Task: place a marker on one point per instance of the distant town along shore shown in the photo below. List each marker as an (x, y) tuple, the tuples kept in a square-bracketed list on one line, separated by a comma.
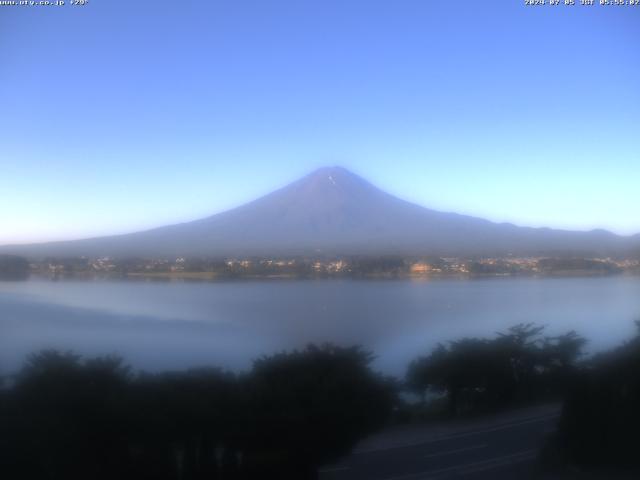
[(314, 267)]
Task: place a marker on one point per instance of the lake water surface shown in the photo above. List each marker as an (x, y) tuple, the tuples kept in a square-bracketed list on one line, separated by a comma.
[(172, 325)]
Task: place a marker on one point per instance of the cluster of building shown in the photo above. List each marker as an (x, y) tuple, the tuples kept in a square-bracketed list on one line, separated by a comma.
[(390, 265)]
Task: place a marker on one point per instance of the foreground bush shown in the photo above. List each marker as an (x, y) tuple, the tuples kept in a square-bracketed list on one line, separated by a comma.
[(519, 366), (66, 418), (601, 416)]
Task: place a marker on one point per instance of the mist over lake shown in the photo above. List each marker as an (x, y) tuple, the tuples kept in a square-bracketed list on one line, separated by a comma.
[(173, 325)]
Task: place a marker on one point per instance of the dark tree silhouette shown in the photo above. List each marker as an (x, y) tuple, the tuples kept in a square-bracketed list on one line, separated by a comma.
[(69, 418), (313, 405), (64, 417), (601, 419), (478, 374)]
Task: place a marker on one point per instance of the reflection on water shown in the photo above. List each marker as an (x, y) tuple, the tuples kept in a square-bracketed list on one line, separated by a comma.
[(158, 325)]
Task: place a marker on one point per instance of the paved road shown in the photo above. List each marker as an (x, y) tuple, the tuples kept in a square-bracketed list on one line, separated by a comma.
[(501, 447)]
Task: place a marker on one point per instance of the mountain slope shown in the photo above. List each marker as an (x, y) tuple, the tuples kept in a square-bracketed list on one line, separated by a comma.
[(334, 211)]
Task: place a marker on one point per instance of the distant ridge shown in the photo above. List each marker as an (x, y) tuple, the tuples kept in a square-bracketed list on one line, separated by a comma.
[(333, 211)]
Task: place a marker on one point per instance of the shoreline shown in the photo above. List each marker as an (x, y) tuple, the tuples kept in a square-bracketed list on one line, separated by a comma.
[(214, 276)]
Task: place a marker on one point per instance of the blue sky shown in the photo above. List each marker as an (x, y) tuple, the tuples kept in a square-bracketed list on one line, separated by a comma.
[(125, 115)]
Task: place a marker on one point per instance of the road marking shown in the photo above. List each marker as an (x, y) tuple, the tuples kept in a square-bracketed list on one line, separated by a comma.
[(333, 469), (500, 462), (459, 450), (497, 428), (489, 464)]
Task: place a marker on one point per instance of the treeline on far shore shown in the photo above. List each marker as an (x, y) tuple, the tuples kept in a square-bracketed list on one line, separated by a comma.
[(65, 417), (13, 267)]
